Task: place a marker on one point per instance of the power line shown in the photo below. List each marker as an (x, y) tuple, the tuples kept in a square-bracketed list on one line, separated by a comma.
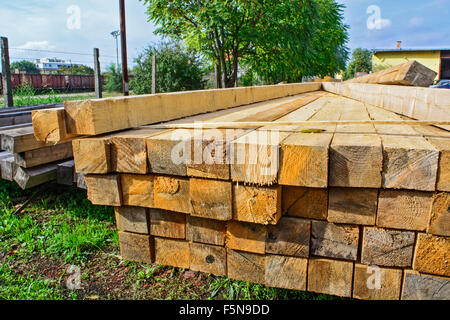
[(59, 52)]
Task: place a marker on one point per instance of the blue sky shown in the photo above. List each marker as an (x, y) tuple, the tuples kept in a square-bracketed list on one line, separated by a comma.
[(54, 25)]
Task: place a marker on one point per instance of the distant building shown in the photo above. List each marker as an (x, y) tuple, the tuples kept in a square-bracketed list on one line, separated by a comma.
[(52, 64), (436, 59)]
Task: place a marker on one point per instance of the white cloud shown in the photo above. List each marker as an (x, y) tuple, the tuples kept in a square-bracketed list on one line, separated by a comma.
[(40, 45)]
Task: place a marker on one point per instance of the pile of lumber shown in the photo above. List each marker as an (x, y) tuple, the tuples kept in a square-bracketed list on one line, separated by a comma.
[(26, 160), (411, 73), (307, 190)]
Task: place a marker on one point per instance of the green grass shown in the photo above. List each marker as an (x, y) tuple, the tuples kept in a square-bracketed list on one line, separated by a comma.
[(62, 228), (25, 95), (61, 225)]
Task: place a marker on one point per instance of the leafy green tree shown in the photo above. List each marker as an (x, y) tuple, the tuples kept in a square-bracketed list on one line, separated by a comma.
[(278, 39), (178, 69), (24, 65), (113, 79), (361, 62), (74, 69)]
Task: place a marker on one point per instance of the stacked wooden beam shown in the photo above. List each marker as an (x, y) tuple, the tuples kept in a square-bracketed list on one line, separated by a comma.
[(354, 210), (27, 161), (411, 73)]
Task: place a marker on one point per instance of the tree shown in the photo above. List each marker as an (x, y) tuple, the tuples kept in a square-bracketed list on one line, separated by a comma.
[(76, 69), (278, 39), (361, 62), (24, 65), (113, 79), (178, 69)]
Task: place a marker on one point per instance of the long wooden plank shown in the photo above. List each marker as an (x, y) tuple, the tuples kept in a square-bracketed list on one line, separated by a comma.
[(258, 159), (93, 117), (126, 151), (28, 178), (44, 155), (411, 73), (173, 152), (21, 140), (410, 161), (414, 102), (356, 155)]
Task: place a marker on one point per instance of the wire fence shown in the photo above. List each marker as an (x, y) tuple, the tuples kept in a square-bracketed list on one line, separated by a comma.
[(87, 59)]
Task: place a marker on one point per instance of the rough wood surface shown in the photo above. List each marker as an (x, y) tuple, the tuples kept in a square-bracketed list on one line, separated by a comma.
[(330, 277), (33, 158), (104, 190), (211, 199), (247, 237), (174, 253), (49, 125), (388, 248), (257, 204), (356, 155), (8, 168), (375, 283), (92, 155), (405, 210), (353, 206), (290, 237), (334, 241), (416, 103), (424, 287), (137, 190), (411, 73), (28, 178), (432, 255), (205, 231), (286, 272), (136, 247), (246, 266), (167, 224), (305, 202), (20, 140), (209, 259), (171, 194), (132, 219), (410, 161), (99, 116), (257, 153), (439, 223)]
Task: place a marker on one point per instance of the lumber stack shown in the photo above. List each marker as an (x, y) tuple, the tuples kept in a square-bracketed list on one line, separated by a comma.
[(27, 161), (411, 73), (353, 210)]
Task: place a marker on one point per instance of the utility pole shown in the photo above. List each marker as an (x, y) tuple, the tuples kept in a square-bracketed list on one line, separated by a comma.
[(97, 73), (154, 70), (116, 35), (6, 74), (123, 37)]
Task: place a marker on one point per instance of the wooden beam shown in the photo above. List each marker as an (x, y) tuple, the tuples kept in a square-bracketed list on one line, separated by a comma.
[(411, 73), (44, 155), (65, 173), (409, 160), (416, 103), (28, 178), (99, 116), (21, 140)]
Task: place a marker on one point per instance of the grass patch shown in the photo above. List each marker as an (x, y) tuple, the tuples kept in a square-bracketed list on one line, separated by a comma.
[(17, 287)]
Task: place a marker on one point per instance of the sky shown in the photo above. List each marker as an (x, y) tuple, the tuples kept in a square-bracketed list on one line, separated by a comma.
[(78, 26)]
